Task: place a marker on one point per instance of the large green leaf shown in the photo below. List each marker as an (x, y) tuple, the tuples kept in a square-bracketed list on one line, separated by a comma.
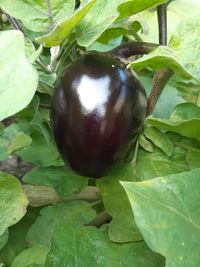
[(122, 228), (13, 201), (157, 163), (17, 241), (29, 256), (88, 246), (188, 128), (39, 16), (18, 79), (166, 210), (62, 179), (51, 217), (163, 57), (4, 239), (64, 28)]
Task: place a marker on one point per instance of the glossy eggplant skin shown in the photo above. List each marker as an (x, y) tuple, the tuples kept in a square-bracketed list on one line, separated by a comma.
[(98, 108)]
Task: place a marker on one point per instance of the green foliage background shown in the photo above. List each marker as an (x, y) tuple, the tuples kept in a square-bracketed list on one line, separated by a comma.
[(153, 202)]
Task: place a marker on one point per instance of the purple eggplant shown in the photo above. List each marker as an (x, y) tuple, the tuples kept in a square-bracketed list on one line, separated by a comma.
[(98, 109)]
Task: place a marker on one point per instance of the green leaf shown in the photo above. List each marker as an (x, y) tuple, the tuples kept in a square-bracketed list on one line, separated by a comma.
[(4, 239), (51, 217), (62, 179), (97, 21), (34, 255), (176, 12), (163, 57), (185, 111), (193, 156), (88, 246), (63, 29), (184, 120), (188, 128), (36, 15), (183, 43), (21, 140), (145, 144), (100, 17), (122, 228), (18, 79), (157, 163), (13, 201), (41, 153), (191, 147), (12, 139), (166, 210), (46, 82), (42, 127), (17, 237), (159, 139), (132, 7)]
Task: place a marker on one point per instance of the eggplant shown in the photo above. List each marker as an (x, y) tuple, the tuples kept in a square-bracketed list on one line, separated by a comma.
[(98, 109)]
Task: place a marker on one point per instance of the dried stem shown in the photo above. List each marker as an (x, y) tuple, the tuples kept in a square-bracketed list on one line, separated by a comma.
[(44, 195)]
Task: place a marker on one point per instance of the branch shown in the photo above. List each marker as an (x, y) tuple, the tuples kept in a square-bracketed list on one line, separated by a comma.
[(160, 79), (50, 14), (45, 106), (101, 218), (133, 48), (44, 195), (162, 23), (13, 22)]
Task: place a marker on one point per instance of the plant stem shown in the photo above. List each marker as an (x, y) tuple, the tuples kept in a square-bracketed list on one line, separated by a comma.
[(162, 23), (52, 22), (101, 218), (160, 79), (13, 22), (162, 76), (133, 48), (44, 195), (45, 106)]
